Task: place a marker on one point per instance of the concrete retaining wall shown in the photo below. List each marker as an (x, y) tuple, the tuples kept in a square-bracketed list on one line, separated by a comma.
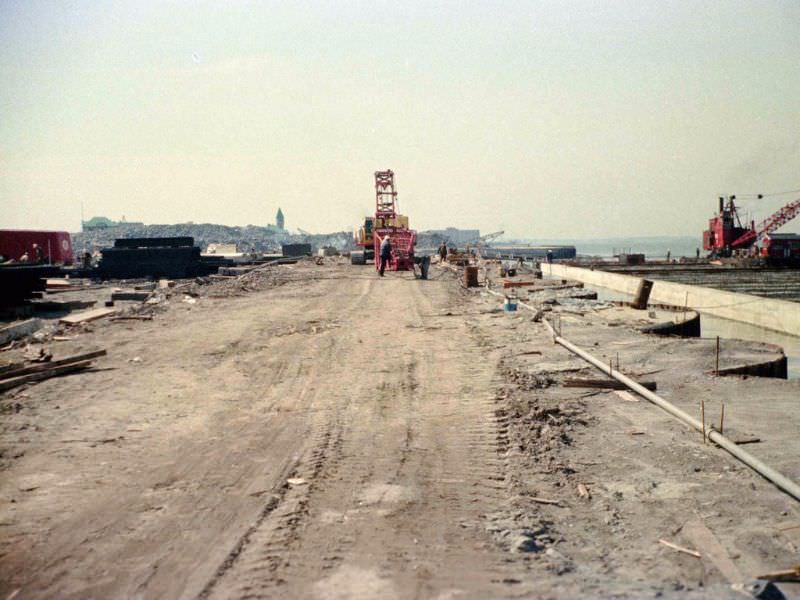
[(777, 315)]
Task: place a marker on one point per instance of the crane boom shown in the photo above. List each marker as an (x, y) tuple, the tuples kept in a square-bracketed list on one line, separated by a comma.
[(768, 225)]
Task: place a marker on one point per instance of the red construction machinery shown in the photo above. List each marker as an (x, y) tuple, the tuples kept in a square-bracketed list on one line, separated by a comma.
[(36, 247), (387, 222), (726, 233)]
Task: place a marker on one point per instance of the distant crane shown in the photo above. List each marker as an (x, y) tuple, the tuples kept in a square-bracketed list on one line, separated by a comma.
[(484, 239), (726, 232), (768, 225)]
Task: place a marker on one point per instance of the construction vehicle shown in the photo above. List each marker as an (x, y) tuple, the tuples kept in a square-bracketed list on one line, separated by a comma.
[(726, 233), (363, 239), (42, 247), (386, 221)]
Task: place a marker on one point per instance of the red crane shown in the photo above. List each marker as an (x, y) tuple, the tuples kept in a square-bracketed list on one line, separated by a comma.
[(388, 222), (726, 232), (768, 225)]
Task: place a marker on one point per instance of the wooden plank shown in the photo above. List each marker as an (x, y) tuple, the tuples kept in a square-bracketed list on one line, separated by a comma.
[(680, 548), (89, 315), (7, 384), (53, 363), (625, 395), (18, 330), (611, 384), (703, 539), (11, 366), (59, 283)]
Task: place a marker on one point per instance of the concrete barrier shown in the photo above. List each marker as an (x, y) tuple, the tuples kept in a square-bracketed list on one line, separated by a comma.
[(777, 315)]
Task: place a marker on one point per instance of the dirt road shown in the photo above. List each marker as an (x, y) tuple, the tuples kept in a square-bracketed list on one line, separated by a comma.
[(331, 434), (166, 475)]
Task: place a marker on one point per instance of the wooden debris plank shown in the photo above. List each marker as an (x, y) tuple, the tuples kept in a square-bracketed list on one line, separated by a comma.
[(89, 315), (626, 395), (53, 363), (546, 501), (703, 539), (59, 283), (7, 384), (133, 318), (680, 548), (10, 367), (792, 574), (18, 330), (612, 384)]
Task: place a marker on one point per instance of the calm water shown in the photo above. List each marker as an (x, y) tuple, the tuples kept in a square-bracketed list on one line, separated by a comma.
[(651, 247)]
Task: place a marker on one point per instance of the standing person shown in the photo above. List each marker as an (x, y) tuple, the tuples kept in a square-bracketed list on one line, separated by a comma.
[(386, 253), (38, 255), (549, 256), (669, 253), (442, 252)]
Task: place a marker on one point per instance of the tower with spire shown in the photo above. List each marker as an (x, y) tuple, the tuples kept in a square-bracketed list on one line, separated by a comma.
[(279, 219)]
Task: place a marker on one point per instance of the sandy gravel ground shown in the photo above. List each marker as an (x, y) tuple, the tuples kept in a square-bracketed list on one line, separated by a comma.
[(326, 433)]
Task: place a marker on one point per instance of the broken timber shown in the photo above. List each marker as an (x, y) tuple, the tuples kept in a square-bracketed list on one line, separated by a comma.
[(53, 372), (50, 365), (89, 315)]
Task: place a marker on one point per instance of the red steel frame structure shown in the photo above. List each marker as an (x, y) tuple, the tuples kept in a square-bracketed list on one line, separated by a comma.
[(402, 239)]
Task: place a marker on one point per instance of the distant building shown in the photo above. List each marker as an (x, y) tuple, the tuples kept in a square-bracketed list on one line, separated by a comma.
[(279, 219), (458, 237), (98, 223)]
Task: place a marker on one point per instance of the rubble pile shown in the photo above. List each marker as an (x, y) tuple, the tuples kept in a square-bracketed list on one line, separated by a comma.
[(250, 238)]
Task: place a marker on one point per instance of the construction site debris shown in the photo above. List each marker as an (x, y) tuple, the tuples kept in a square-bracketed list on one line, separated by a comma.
[(777, 478), (52, 363), (680, 548), (295, 250), (19, 330), (38, 354), (87, 316), (130, 296), (703, 539), (792, 574), (7, 384)]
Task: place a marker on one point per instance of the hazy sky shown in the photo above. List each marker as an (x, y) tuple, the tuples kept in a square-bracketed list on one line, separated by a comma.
[(546, 119)]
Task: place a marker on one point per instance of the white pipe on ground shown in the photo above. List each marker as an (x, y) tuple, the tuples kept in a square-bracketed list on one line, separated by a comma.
[(780, 480)]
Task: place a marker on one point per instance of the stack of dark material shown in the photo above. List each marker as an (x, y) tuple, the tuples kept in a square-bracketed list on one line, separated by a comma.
[(19, 283), (296, 249), (171, 257)]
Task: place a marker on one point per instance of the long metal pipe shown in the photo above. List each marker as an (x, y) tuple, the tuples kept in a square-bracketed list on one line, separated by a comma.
[(780, 480)]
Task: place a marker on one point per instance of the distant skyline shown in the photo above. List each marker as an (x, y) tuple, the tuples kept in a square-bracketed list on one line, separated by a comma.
[(546, 119)]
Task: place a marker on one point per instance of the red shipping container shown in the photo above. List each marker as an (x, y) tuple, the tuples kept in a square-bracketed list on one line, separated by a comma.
[(56, 246)]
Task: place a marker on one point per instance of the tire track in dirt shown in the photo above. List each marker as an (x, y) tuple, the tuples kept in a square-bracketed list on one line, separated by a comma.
[(394, 506)]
